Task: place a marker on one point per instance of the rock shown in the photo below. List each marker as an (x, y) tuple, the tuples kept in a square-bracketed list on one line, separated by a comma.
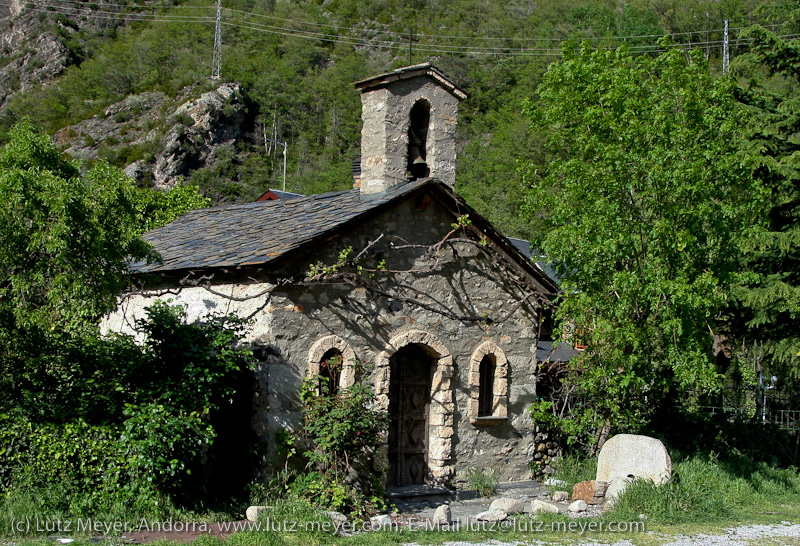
[(340, 524), (541, 507), (554, 482), (578, 506), (492, 515), (443, 515), (615, 489), (584, 491), (252, 512), (162, 149), (380, 522), (337, 517), (560, 496), (590, 492), (510, 506), (634, 455)]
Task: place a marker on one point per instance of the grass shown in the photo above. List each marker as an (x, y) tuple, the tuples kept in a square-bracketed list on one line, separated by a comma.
[(706, 496), (571, 470)]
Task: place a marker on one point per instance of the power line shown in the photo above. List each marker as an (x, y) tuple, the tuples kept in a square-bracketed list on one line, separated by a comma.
[(437, 36), (387, 32), (365, 42)]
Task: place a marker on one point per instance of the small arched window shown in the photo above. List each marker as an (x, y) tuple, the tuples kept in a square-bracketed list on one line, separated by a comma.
[(331, 365), (330, 372), (486, 386), (488, 379)]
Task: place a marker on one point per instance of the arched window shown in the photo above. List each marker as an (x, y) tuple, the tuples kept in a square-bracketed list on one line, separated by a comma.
[(419, 121), (330, 372), (333, 362), (486, 386), (488, 382)]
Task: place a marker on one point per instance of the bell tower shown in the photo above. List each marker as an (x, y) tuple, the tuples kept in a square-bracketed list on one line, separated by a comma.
[(409, 132)]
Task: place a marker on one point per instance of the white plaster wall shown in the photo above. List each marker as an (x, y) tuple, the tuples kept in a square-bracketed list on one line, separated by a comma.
[(199, 303)]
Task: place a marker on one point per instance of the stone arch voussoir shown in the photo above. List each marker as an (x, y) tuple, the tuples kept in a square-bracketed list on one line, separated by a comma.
[(442, 406), (500, 403), (325, 344)]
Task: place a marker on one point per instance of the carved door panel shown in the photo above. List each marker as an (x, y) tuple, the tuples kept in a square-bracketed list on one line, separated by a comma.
[(409, 401)]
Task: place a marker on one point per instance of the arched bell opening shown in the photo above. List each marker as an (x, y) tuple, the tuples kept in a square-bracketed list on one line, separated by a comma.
[(419, 123)]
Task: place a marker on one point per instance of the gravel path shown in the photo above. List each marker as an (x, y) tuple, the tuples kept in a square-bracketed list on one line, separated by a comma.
[(746, 535)]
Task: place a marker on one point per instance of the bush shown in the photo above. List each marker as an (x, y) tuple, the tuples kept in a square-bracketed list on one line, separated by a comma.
[(342, 431), (135, 436), (483, 481)]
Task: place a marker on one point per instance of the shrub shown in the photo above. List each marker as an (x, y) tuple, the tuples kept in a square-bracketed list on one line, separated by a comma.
[(483, 481), (343, 431), (122, 117), (137, 430)]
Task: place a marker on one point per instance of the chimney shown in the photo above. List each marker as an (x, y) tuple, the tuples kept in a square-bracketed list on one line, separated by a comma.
[(409, 132)]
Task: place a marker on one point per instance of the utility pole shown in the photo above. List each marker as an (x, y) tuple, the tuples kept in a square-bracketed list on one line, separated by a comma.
[(726, 58), (411, 41), (284, 158), (217, 61)]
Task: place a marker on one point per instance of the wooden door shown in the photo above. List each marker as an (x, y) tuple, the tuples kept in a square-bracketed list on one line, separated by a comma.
[(409, 401)]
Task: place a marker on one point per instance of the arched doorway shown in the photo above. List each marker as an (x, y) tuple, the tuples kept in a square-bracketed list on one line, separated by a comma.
[(409, 407)]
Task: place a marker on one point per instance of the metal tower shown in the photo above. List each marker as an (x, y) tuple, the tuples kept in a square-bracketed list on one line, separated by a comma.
[(217, 62), (726, 57)]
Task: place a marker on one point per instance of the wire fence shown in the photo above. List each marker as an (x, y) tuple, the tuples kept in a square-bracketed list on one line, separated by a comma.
[(765, 406)]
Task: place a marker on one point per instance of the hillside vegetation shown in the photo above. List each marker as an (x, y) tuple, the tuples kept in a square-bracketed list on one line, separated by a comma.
[(666, 195), (296, 62)]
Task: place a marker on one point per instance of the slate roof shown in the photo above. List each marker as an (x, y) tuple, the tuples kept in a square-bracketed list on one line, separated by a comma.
[(547, 351), (256, 233), (264, 232), (424, 69), (525, 248)]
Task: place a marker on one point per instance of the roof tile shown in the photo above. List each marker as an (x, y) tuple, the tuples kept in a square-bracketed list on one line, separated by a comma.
[(260, 232)]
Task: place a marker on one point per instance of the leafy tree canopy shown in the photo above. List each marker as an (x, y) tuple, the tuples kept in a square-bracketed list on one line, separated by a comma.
[(66, 236), (641, 207)]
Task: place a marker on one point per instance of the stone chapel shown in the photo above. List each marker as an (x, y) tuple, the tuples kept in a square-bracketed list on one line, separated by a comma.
[(448, 326)]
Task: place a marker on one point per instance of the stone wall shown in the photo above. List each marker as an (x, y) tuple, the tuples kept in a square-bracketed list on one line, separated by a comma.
[(547, 451), (384, 137), (293, 325)]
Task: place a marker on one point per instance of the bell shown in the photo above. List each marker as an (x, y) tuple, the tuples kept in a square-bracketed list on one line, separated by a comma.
[(418, 167)]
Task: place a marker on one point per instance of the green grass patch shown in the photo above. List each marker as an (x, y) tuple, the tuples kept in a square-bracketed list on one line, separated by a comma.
[(484, 481), (572, 469), (704, 489), (705, 496)]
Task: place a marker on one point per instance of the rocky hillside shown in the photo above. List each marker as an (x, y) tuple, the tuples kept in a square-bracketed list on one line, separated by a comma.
[(158, 140), (124, 93), (38, 39)]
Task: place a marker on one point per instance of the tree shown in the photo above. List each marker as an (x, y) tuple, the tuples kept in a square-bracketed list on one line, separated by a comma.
[(641, 209), (768, 294), (65, 238)]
